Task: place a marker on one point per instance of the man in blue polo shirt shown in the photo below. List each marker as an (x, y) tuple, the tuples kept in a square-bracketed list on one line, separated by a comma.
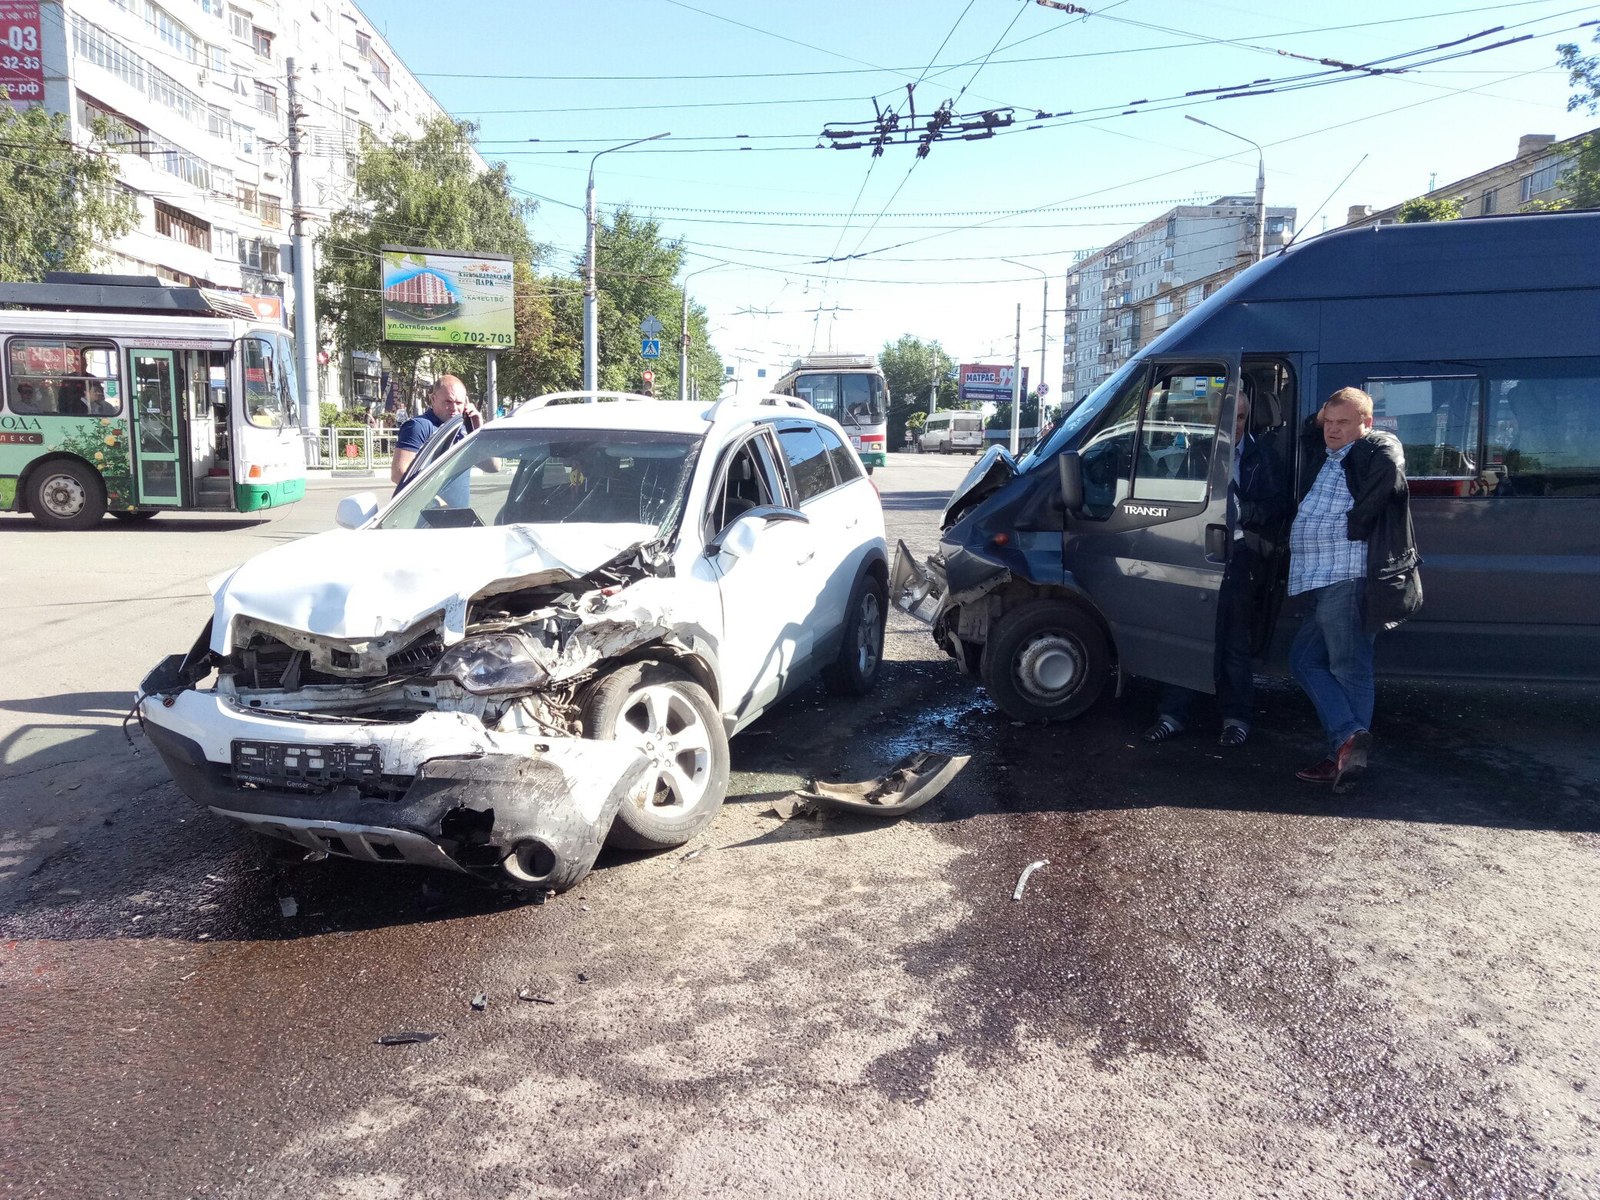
[(448, 399)]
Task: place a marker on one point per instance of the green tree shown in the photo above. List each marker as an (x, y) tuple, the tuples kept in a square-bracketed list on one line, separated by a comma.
[(1420, 208), (1001, 417), (414, 191), (634, 272), (910, 365), (58, 202), (548, 356), (1581, 179), (1583, 73)]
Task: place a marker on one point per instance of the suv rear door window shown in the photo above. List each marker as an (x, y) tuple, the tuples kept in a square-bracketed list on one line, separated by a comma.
[(845, 467), (807, 456)]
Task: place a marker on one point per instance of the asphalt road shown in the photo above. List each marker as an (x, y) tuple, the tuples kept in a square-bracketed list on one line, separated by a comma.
[(1223, 983)]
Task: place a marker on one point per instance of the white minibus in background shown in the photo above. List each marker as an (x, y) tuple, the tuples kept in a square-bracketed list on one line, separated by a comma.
[(952, 433)]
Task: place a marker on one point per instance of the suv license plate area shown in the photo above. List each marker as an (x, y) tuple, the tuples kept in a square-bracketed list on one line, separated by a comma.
[(305, 768)]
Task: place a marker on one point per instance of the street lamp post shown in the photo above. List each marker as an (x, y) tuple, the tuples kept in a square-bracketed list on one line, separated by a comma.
[(591, 335), (1044, 329), (683, 341), (1261, 183)]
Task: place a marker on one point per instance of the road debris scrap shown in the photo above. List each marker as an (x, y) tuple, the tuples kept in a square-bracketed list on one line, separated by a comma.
[(908, 785), (407, 1037), (1022, 881)]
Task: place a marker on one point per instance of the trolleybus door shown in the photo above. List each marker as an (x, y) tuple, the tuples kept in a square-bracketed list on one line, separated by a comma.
[(157, 419)]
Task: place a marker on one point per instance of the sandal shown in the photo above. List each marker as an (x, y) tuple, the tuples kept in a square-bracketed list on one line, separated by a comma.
[(1164, 728), (1234, 735)]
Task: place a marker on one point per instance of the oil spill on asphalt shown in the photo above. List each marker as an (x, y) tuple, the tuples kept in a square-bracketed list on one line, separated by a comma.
[(1168, 896)]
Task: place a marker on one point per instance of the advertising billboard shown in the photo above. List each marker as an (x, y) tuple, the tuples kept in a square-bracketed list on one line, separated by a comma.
[(447, 298), (982, 383), (21, 67)]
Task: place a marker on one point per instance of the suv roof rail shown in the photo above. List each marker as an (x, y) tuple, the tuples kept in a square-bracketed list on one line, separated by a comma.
[(581, 397), (768, 400)]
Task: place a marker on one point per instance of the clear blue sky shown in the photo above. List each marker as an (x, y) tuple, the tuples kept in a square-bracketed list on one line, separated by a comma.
[(584, 76)]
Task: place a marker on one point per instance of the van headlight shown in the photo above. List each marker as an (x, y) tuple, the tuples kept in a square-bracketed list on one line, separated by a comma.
[(498, 662)]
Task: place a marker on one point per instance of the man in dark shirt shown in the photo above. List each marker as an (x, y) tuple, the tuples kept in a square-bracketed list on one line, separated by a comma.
[(448, 399), (1257, 507)]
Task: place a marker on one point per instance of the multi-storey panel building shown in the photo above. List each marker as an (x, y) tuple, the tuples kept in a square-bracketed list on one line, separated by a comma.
[(1532, 177), (195, 94), (1120, 297)]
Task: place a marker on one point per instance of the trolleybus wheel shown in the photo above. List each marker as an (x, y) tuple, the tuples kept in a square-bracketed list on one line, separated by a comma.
[(66, 495)]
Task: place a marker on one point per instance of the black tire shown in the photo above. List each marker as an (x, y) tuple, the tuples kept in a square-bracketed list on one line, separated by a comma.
[(855, 671), (655, 707), (66, 494), (144, 514), (1046, 660)]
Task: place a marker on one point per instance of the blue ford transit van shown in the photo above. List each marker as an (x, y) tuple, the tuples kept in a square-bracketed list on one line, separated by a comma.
[(1099, 554)]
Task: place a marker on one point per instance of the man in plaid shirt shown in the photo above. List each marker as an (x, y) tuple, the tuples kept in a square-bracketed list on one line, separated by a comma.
[(1352, 556)]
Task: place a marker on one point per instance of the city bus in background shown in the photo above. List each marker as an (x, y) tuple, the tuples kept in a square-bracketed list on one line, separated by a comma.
[(851, 389), (121, 394)]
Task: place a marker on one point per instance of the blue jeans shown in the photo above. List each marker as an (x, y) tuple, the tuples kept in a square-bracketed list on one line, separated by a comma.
[(1331, 659), (1232, 668)]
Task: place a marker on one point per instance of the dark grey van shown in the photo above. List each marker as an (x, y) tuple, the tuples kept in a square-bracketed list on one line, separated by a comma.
[(1101, 550)]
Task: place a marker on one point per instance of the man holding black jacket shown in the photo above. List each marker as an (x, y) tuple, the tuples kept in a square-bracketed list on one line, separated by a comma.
[(1353, 557)]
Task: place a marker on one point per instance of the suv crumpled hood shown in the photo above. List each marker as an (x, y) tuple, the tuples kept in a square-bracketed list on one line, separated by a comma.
[(366, 583)]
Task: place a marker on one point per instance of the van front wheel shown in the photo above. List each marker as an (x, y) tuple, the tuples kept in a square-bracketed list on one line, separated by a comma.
[(1045, 661)]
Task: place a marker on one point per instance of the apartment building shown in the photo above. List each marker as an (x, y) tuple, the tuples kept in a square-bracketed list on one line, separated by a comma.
[(196, 95), (1532, 175), (1120, 297)]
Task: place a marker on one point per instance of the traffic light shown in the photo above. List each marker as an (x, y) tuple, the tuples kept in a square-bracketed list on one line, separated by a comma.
[(649, 378)]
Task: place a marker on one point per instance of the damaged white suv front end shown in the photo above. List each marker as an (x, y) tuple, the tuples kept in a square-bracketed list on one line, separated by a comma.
[(531, 639)]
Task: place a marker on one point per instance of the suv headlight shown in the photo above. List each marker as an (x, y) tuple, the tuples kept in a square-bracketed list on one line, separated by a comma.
[(498, 662)]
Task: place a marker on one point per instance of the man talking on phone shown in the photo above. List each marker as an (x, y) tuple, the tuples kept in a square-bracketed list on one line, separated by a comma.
[(447, 399)]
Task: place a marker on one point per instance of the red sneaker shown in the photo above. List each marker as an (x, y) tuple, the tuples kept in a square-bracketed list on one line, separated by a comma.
[(1325, 771)]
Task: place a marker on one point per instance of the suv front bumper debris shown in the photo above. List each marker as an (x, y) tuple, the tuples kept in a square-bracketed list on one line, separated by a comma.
[(438, 791)]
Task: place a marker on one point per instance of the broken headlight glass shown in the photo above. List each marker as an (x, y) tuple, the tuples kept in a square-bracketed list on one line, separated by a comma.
[(498, 662)]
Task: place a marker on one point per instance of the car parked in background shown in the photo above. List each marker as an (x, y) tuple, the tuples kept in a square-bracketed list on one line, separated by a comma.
[(544, 639)]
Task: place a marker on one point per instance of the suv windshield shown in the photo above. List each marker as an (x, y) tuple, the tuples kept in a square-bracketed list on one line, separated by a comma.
[(551, 477)]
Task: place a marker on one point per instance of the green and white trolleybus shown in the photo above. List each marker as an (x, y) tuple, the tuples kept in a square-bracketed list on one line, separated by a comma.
[(123, 395), (852, 390)]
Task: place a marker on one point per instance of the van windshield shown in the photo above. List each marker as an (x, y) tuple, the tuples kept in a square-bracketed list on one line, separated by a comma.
[(1078, 419)]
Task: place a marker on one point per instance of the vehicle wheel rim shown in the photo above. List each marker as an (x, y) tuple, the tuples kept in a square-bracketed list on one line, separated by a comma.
[(670, 732), (869, 634), (1050, 668), (63, 496)]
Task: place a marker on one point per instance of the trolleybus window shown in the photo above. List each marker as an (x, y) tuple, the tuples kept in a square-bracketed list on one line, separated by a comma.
[(62, 378), (269, 388)]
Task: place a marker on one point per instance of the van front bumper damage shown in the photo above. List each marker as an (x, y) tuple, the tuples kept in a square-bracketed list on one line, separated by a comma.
[(524, 810)]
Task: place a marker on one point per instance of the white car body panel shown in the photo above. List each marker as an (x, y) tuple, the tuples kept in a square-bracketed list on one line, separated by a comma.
[(368, 583), (369, 614)]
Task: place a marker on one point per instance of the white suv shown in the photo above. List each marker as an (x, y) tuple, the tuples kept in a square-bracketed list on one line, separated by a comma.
[(546, 638)]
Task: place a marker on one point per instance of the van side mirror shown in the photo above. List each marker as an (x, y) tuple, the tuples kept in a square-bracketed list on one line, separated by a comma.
[(355, 511), (1070, 469)]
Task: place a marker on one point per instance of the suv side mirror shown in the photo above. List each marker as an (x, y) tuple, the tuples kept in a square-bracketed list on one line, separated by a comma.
[(1069, 468), (738, 539), (355, 511)]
